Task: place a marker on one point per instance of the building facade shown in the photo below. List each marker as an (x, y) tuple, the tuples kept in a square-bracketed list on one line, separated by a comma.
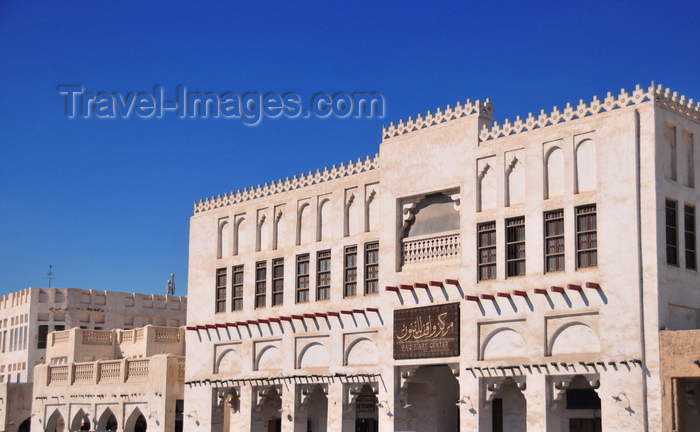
[(28, 316), (472, 276), (135, 381)]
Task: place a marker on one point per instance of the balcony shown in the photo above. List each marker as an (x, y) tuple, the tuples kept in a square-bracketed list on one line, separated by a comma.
[(110, 371), (432, 247)]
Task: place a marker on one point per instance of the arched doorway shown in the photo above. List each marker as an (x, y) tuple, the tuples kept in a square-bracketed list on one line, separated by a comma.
[(136, 422), (108, 421), (583, 405), (508, 404), (56, 423), (268, 413), (81, 421), (365, 405), (427, 396), (315, 408), (25, 425), (141, 424)]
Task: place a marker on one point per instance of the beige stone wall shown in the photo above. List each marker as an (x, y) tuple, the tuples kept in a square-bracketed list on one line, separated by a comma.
[(679, 357), (22, 313), (127, 373), (437, 180)]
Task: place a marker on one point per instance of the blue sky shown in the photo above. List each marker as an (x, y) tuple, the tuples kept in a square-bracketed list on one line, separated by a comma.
[(107, 202)]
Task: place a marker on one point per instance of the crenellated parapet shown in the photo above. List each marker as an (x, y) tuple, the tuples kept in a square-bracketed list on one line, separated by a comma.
[(430, 119), (289, 184), (612, 102)]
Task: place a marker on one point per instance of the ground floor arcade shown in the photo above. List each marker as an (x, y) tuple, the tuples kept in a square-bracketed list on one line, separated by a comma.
[(557, 397)]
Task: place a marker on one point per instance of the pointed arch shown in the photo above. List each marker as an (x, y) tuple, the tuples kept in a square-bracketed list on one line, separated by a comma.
[(80, 420), (515, 182), (224, 244), (313, 355), (228, 361), (261, 232), (503, 342), (239, 237), (486, 192), (25, 426), (371, 214), (107, 421), (279, 233), (574, 337), (56, 422), (303, 224), (586, 170), (323, 230), (268, 358), (136, 421), (554, 178), (361, 351)]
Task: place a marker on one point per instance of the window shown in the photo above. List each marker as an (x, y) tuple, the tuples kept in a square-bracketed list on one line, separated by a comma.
[(586, 398), (237, 288), (689, 227), (586, 237), (554, 241), (221, 290), (350, 279), (515, 247), (43, 334), (323, 275), (260, 283), (486, 246), (371, 267), (277, 281), (671, 233), (60, 327), (302, 278)]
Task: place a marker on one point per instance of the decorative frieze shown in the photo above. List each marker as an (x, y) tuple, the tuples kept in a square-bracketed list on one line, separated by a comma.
[(304, 180), (658, 94), (430, 119)]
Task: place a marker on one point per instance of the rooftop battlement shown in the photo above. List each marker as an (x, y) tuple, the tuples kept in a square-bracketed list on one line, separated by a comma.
[(289, 184), (611, 102), (431, 119), (659, 94)]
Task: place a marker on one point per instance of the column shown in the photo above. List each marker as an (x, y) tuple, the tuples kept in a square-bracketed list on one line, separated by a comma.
[(288, 414), (240, 420), (469, 404), (537, 400), (336, 407)]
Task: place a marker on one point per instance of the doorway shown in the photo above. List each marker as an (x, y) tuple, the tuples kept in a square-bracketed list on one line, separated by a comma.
[(585, 425), (274, 425), (365, 425)]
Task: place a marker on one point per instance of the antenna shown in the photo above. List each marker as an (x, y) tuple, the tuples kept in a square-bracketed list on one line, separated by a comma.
[(49, 275)]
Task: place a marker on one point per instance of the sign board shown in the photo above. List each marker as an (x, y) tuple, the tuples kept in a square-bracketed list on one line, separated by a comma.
[(425, 332), (366, 404)]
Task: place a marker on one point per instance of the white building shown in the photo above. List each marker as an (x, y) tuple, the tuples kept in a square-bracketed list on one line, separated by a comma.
[(472, 276), (132, 380), (27, 317)]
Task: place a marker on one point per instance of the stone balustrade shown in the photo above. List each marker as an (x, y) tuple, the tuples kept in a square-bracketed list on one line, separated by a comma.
[(97, 337), (167, 334), (104, 371), (431, 248)]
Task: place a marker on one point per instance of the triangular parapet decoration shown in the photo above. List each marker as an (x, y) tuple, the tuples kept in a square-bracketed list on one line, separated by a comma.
[(289, 184), (430, 119), (640, 95)]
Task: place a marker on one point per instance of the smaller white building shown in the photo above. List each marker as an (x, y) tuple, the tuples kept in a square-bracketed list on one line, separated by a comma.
[(111, 380), (27, 317)]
